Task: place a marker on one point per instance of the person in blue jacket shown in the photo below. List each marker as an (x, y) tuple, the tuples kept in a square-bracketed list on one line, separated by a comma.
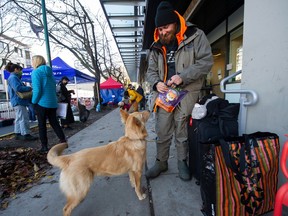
[(45, 100), (21, 124)]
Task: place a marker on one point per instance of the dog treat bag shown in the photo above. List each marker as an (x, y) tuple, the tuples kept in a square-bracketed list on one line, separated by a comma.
[(170, 99)]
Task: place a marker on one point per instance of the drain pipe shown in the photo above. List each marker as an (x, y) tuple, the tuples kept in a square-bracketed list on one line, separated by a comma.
[(244, 100)]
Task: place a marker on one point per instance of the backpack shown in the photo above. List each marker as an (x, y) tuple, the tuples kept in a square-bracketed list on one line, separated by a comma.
[(60, 96), (226, 114), (221, 120)]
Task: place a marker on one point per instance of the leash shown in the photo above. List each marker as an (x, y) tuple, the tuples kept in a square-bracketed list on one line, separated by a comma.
[(150, 140)]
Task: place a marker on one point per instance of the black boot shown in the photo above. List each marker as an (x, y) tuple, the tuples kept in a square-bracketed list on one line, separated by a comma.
[(44, 149)]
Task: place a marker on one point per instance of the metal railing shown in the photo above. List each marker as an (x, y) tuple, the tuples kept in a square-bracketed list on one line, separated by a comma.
[(247, 98), (6, 110)]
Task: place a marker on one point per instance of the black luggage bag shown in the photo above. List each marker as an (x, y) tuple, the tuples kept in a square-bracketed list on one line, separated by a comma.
[(220, 121), (200, 132)]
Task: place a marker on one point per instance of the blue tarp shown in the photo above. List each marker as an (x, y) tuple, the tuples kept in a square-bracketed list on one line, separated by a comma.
[(111, 91), (60, 69), (111, 95)]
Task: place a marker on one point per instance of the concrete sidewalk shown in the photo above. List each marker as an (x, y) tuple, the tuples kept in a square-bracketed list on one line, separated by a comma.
[(113, 196), (7, 130)]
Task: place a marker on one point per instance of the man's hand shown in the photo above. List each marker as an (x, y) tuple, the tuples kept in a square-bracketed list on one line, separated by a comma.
[(174, 81), (161, 87)]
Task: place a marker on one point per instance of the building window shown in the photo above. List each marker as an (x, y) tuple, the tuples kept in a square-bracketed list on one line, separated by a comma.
[(236, 52), (21, 53), (218, 70), (16, 49), (4, 47), (27, 55), (4, 61)]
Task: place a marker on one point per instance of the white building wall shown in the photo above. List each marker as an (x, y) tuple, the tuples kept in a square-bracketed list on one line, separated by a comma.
[(14, 57), (265, 66)]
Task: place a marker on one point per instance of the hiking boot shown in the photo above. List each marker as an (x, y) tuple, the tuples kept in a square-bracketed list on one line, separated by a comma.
[(43, 150), (18, 136), (183, 169), (159, 166), (28, 137)]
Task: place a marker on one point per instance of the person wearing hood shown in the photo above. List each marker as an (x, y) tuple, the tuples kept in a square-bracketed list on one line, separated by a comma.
[(134, 97), (64, 96), (179, 57), (45, 100), (21, 124)]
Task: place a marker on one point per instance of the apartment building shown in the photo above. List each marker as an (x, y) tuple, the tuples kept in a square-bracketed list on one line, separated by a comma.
[(14, 51)]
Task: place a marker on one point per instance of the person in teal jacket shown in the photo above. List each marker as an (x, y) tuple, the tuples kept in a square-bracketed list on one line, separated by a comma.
[(45, 100), (21, 124)]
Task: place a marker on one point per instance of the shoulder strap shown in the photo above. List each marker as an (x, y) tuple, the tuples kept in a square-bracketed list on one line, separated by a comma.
[(230, 163)]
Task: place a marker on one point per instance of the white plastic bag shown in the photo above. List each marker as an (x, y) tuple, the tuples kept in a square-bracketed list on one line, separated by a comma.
[(200, 111), (62, 110)]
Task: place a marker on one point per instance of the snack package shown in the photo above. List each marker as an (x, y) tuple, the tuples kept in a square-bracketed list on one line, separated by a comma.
[(170, 99)]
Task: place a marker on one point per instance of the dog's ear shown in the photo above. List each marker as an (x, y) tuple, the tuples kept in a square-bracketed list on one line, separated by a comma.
[(124, 115), (135, 129), (146, 115), (136, 122)]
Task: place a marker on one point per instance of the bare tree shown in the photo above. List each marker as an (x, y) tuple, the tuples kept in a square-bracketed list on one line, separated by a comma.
[(73, 27), (7, 23), (107, 60)]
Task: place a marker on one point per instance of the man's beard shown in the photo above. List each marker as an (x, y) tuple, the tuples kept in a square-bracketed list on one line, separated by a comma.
[(168, 38)]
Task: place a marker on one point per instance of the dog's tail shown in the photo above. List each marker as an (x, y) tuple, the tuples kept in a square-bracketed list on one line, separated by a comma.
[(54, 157)]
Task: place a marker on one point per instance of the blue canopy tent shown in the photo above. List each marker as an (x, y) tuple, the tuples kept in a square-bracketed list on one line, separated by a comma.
[(60, 69)]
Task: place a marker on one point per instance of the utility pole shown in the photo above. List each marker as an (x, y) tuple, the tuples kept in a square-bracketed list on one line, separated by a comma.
[(46, 33)]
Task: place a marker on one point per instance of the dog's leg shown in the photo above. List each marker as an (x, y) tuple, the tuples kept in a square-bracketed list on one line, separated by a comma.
[(137, 177), (132, 179)]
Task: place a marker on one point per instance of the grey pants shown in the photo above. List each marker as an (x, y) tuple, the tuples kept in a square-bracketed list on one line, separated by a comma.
[(167, 125)]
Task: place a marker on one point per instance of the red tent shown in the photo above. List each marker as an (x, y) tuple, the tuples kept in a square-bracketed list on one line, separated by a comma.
[(110, 84)]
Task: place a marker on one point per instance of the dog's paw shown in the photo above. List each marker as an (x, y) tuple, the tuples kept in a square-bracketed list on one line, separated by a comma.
[(143, 196)]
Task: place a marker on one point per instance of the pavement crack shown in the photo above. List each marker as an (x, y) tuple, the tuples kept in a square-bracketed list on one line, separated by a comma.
[(149, 191)]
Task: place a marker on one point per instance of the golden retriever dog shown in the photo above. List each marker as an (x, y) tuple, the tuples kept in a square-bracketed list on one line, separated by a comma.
[(126, 155)]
